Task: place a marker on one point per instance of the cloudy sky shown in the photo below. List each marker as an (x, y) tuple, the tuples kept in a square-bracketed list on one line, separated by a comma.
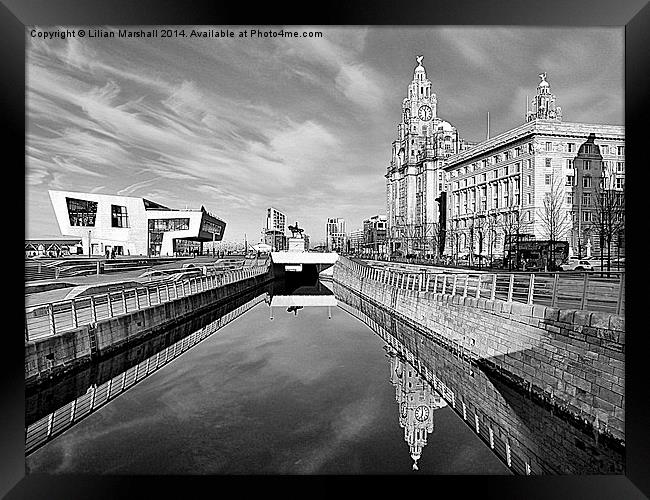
[(301, 124)]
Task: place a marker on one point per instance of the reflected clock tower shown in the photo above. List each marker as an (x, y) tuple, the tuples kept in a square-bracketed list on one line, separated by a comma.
[(417, 401)]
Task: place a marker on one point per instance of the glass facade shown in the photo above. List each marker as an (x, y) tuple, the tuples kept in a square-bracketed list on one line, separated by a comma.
[(162, 225), (210, 227), (81, 212), (159, 226)]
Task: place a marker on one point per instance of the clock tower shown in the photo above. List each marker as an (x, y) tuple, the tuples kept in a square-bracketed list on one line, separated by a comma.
[(416, 400), (414, 178)]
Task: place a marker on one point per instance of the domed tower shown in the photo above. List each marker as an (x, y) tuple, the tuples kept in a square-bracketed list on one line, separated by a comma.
[(414, 176), (543, 104), (417, 401)]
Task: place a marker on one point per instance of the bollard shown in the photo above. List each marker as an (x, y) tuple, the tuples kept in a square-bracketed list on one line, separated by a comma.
[(511, 286)]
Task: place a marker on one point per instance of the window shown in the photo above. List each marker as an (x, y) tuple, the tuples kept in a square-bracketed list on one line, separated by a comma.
[(586, 198), (620, 166), (81, 212), (620, 150), (569, 198), (569, 180), (549, 146), (530, 148), (547, 162), (619, 182), (571, 147), (528, 180), (586, 182), (587, 149), (506, 155), (517, 151), (483, 177), (517, 167), (604, 149), (569, 163), (547, 179), (586, 164), (528, 198), (162, 225), (118, 216), (586, 216), (527, 163)]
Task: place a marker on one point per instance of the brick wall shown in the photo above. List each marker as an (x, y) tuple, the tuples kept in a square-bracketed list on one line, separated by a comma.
[(574, 360), (530, 438)]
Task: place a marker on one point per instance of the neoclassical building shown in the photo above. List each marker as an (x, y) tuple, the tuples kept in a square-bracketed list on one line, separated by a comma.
[(498, 189), (504, 186), (414, 178)]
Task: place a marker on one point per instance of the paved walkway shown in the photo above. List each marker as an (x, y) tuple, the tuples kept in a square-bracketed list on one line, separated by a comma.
[(129, 278)]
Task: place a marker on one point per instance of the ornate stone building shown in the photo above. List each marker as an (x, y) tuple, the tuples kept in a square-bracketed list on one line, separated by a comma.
[(414, 178), (503, 186), (417, 402)]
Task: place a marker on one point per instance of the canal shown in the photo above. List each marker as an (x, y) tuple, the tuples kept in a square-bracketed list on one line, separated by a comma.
[(298, 378)]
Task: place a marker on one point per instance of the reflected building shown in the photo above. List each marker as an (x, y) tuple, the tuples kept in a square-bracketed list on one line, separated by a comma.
[(417, 401)]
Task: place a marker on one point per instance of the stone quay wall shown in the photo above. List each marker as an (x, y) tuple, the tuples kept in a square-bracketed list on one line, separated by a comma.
[(574, 360), (50, 357), (529, 438)]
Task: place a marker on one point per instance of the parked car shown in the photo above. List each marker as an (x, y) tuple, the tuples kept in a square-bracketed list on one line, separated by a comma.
[(577, 265)]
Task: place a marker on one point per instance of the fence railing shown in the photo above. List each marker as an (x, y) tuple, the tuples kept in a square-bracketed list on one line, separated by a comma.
[(60, 420), (562, 290), (44, 320)]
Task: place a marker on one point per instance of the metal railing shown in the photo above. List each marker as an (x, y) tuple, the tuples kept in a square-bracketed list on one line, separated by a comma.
[(44, 320), (561, 290), (47, 428)]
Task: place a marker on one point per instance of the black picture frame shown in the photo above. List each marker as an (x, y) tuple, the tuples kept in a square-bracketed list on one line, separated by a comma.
[(633, 14)]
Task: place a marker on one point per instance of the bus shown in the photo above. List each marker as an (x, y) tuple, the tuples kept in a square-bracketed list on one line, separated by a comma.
[(537, 255)]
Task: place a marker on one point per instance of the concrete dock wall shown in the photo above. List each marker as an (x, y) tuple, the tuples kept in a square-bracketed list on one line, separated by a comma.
[(573, 360), (53, 356)]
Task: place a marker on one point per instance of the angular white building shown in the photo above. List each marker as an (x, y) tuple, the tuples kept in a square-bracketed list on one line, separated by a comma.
[(129, 225)]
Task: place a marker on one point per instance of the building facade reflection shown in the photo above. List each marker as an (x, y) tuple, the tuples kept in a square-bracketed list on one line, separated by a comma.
[(417, 402)]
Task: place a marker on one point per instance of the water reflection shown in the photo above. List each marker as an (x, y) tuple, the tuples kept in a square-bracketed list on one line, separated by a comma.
[(319, 395), (55, 409), (300, 295), (528, 437), (417, 402)]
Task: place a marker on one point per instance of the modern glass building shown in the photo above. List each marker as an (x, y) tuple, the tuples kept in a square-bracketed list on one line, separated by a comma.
[(126, 225)]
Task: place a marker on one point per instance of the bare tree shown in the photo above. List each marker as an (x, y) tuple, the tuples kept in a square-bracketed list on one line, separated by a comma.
[(610, 217), (553, 217)]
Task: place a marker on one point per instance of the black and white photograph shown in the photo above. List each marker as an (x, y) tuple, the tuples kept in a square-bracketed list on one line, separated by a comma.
[(325, 250)]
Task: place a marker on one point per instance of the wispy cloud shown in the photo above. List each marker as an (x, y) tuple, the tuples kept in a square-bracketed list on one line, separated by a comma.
[(303, 123)]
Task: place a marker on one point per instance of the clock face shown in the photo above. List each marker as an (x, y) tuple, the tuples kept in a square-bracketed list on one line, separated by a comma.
[(403, 408), (422, 413), (424, 113)]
